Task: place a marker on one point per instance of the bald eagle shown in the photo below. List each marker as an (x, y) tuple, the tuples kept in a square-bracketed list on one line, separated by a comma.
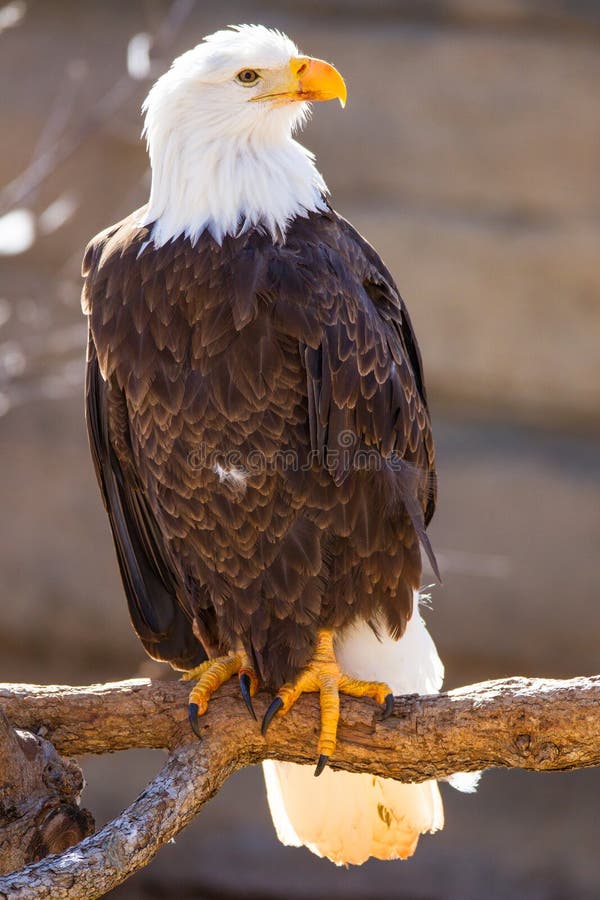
[(258, 421)]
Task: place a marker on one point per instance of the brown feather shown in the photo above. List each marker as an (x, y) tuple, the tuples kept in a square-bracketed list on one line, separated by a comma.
[(260, 430)]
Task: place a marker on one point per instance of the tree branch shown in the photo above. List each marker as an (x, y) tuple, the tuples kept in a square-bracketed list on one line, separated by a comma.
[(530, 723), (518, 723)]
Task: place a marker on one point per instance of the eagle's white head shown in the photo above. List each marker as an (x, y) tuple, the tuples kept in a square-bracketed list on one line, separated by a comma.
[(219, 130)]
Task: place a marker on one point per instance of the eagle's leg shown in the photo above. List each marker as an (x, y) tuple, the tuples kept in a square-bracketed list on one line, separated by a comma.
[(323, 674), (211, 674)]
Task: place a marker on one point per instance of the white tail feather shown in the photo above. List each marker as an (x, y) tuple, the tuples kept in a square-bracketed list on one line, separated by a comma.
[(347, 817)]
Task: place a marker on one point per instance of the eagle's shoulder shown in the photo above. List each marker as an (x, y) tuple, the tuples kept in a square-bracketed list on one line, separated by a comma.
[(108, 249), (324, 247), (366, 264), (116, 239)]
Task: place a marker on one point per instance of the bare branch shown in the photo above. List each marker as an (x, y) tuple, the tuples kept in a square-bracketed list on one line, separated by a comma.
[(518, 723), (56, 144), (129, 842)]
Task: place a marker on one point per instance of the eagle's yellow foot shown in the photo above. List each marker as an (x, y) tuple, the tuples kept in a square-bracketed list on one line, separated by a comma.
[(211, 674), (324, 675)]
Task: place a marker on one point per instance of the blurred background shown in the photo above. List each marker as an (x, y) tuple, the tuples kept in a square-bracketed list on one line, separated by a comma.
[(469, 155)]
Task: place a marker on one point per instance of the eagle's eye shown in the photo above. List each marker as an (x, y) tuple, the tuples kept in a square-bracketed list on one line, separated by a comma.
[(247, 76)]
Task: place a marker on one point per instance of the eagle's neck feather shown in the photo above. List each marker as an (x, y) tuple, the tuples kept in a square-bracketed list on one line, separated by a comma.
[(228, 185)]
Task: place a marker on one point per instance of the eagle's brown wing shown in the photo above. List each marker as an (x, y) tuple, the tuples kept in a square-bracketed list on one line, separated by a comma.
[(151, 582), (365, 383)]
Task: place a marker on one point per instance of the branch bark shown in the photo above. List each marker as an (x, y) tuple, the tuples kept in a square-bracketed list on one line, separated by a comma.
[(537, 724), (39, 799)]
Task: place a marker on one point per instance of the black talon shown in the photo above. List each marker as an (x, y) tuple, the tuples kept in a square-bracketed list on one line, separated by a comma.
[(388, 708), (323, 760), (245, 683), (193, 717), (274, 708)]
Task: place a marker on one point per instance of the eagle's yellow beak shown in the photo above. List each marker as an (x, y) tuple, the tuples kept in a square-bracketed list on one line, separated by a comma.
[(306, 79)]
